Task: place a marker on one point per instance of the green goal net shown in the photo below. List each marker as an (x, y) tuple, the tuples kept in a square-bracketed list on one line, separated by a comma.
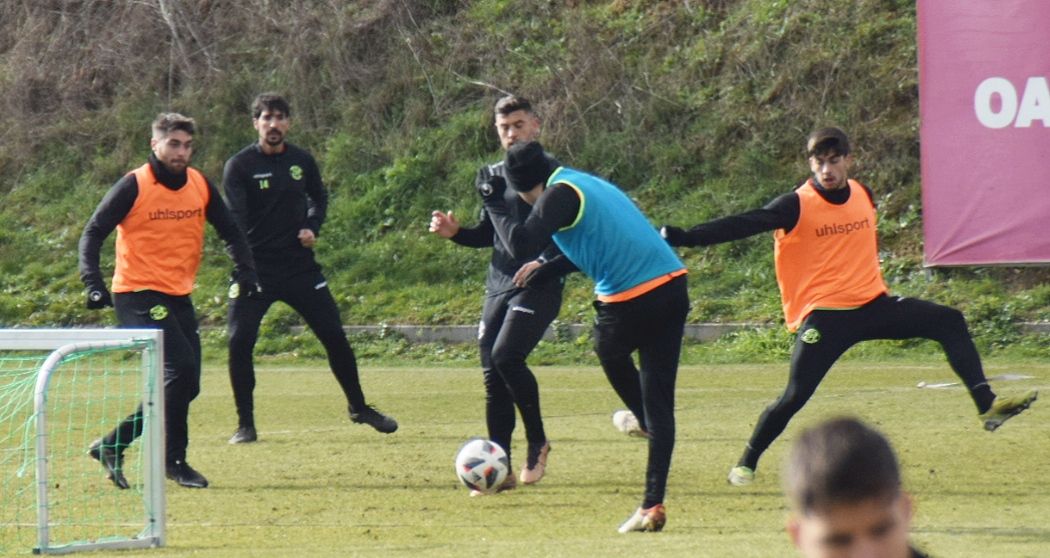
[(60, 390)]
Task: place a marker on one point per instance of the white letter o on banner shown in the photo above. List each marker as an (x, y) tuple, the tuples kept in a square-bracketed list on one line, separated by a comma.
[(982, 102)]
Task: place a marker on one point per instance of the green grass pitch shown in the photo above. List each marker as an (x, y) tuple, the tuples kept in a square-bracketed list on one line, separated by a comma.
[(317, 485)]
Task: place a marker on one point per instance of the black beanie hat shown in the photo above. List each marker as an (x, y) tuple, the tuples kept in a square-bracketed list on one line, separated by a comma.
[(527, 166)]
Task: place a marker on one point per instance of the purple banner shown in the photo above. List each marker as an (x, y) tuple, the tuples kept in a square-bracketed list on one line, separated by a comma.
[(984, 107)]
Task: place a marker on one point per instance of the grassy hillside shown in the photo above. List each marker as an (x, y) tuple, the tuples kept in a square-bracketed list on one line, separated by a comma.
[(697, 108)]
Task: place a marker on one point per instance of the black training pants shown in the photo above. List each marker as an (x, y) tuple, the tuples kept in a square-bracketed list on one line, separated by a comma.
[(651, 324), (826, 334), (307, 294), (182, 365), (512, 323)]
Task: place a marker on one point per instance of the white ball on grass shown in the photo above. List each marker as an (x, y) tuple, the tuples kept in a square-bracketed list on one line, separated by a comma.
[(482, 465)]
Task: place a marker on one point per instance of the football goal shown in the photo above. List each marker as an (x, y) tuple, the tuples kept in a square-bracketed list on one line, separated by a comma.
[(60, 391)]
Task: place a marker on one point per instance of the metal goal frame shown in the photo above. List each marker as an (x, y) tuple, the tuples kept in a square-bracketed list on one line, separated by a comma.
[(63, 343)]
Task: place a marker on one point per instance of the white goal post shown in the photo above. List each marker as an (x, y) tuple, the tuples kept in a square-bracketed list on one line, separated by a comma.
[(89, 380)]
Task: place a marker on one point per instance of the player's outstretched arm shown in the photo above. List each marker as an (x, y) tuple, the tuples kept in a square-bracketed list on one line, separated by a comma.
[(781, 213), (676, 236)]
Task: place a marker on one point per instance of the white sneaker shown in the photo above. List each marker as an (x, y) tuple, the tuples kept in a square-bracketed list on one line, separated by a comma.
[(626, 422), (650, 520), (741, 476)]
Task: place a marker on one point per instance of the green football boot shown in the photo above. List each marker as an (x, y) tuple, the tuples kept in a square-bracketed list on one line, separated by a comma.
[(1004, 408)]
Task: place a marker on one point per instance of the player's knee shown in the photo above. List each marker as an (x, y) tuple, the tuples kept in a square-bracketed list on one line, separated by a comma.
[(497, 396), (333, 339), (241, 340), (612, 356), (182, 389), (788, 404), (954, 318), (606, 348), (950, 323), (508, 361), (181, 372), (492, 378)]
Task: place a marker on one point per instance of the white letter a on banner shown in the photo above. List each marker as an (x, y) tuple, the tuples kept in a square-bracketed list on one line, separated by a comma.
[(1035, 103)]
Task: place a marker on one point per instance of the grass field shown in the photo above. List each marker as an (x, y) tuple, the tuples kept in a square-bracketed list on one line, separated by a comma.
[(317, 485)]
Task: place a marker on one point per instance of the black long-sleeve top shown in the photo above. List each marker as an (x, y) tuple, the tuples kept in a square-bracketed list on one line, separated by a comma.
[(556, 208), (781, 213), (119, 200), (504, 264), (272, 198)]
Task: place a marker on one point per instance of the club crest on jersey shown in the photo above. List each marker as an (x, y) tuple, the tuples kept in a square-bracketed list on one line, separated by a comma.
[(296, 171), (235, 290), (158, 312), (811, 336)]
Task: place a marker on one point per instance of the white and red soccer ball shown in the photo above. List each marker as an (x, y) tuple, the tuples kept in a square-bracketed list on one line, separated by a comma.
[(482, 465)]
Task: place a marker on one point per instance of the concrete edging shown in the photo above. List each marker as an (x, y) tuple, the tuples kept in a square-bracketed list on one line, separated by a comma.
[(562, 331), (557, 331)]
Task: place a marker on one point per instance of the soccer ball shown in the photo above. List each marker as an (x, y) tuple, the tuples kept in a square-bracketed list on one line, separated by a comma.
[(482, 465), (626, 422)]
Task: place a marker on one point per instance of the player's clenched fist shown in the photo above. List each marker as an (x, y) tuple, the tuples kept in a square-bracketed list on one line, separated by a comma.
[(444, 225), (98, 297)]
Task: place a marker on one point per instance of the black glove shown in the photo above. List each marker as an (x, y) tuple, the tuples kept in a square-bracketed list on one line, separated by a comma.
[(245, 285), (98, 297), (492, 188), (674, 235)]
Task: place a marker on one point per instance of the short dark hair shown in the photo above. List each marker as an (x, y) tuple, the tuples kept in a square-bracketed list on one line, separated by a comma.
[(168, 122), (513, 103), (827, 140), (840, 461), (270, 102)]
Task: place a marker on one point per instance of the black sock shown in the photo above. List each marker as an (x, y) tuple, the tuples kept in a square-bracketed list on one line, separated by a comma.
[(983, 396)]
